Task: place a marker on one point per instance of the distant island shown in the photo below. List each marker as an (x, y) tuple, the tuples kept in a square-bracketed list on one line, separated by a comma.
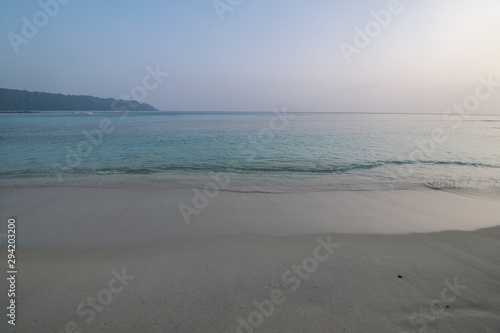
[(22, 100)]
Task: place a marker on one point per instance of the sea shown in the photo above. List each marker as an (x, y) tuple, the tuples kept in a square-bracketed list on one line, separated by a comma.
[(276, 151)]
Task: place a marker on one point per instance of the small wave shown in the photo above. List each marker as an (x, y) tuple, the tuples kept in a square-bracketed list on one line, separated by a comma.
[(248, 169), (342, 168)]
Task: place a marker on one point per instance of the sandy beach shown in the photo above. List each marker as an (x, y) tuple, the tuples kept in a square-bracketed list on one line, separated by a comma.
[(233, 166), (115, 260)]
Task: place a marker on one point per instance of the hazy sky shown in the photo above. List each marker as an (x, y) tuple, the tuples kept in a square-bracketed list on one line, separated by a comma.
[(264, 54)]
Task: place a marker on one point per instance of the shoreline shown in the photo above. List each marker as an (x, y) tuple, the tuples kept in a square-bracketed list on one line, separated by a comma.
[(118, 260), (78, 218)]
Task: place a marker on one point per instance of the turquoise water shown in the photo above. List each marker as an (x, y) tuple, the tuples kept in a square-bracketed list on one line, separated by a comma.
[(256, 151)]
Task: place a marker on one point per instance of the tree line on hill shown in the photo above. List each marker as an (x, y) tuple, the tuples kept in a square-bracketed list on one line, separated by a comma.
[(22, 100)]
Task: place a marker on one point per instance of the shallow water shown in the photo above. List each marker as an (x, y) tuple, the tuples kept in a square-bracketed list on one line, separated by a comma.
[(268, 152)]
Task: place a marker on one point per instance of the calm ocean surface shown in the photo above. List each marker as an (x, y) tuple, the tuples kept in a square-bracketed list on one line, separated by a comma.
[(265, 152)]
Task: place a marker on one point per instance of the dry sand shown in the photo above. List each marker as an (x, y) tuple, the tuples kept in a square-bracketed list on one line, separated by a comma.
[(254, 262)]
